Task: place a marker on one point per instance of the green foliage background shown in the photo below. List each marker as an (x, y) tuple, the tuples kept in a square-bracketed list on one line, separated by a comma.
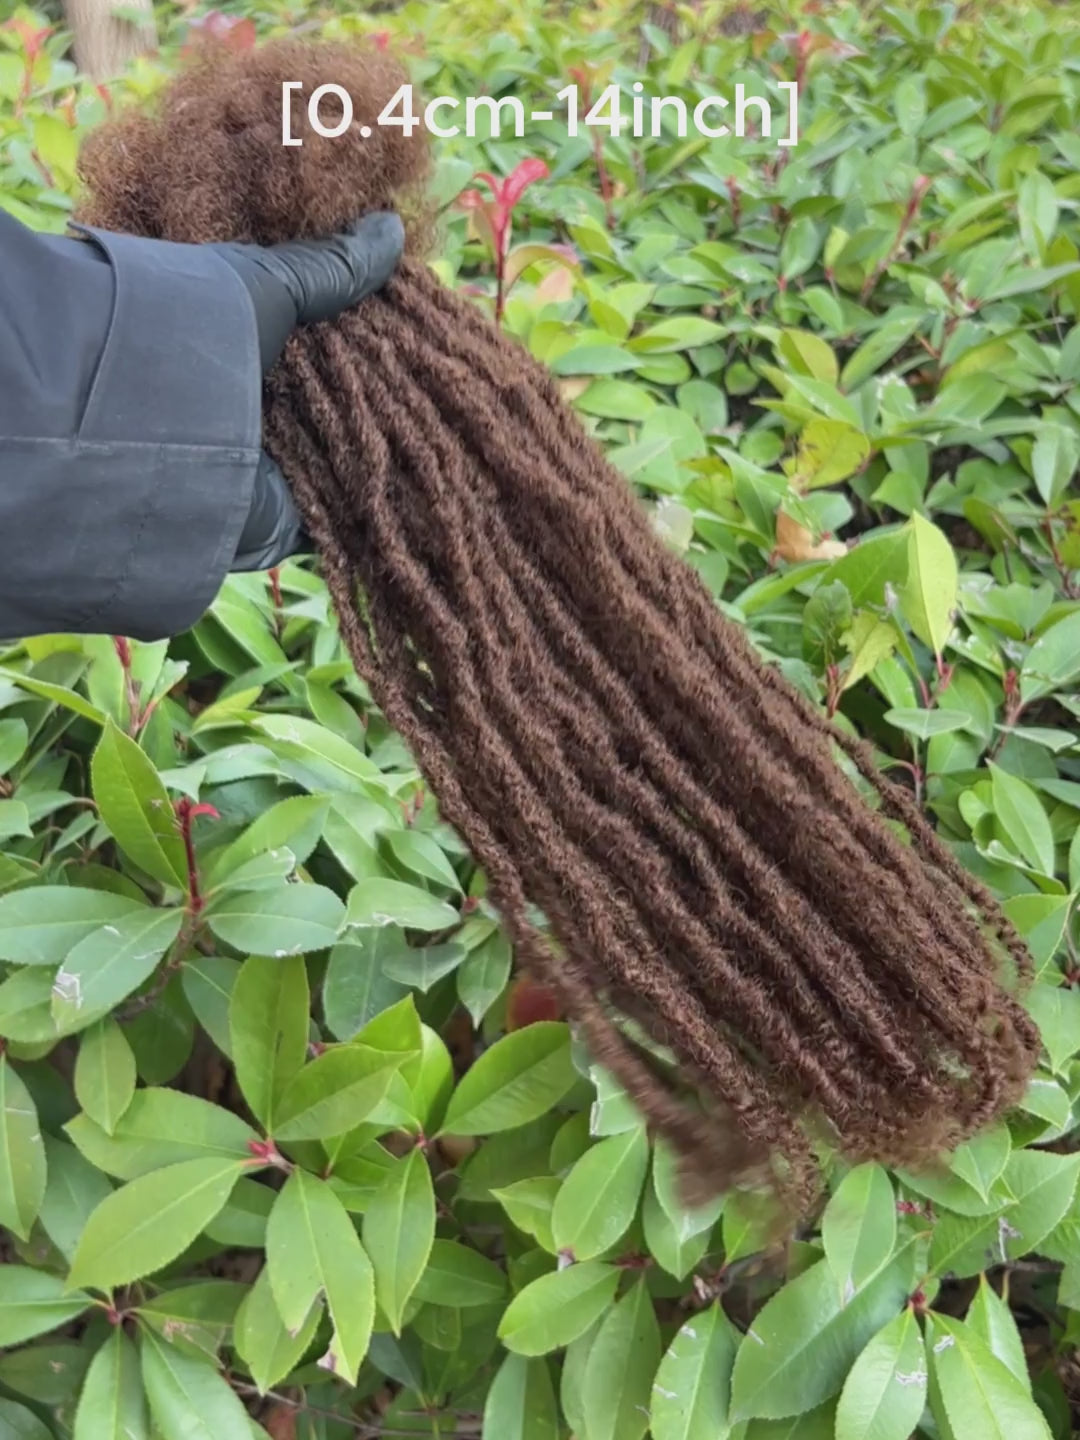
[(277, 1155)]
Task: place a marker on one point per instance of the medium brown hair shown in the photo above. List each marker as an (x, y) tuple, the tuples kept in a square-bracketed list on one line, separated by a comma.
[(762, 958)]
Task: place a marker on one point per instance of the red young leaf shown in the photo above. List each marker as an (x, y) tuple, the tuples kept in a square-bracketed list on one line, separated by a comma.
[(521, 177)]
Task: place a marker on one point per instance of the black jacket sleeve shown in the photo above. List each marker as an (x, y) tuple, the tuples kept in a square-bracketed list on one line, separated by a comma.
[(130, 411)]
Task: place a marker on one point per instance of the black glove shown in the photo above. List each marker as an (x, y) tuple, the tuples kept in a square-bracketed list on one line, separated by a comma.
[(294, 284)]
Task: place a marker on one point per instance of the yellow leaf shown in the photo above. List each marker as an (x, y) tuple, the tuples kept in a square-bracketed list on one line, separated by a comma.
[(794, 542), (829, 451)]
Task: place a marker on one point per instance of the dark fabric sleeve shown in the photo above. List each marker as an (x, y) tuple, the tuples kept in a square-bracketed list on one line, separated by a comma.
[(130, 411)]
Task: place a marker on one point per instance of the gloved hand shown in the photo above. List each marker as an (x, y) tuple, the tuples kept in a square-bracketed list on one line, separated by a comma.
[(294, 284)]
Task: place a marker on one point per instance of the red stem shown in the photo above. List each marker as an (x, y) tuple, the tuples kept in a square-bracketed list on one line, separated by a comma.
[(185, 811)]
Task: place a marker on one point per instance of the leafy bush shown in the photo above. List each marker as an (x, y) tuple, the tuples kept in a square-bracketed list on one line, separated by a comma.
[(286, 1147)]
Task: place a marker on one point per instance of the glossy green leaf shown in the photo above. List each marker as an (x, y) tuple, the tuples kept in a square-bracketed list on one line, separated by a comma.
[(150, 1221), (992, 1320), (459, 1277), (263, 1342), (599, 1197), (162, 1127), (884, 1394), (106, 966), (521, 1402), (105, 1073), (278, 922), (623, 1360), (135, 805), (335, 1092), (517, 1080), (377, 902), (112, 1405), (803, 1342), (42, 925), (692, 1386), (312, 1250), (398, 1231), (268, 1030), (189, 1399), (22, 1154), (929, 592), (1024, 824), (974, 1390), (32, 1302), (555, 1309), (858, 1228)]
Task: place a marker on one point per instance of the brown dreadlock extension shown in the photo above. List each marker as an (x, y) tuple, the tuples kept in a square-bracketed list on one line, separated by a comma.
[(609, 745)]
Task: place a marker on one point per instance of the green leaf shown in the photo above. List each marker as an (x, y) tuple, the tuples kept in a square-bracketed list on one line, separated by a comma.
[(105, 1073), (808, 354), (18, 1423), (484, 974), (992, 1320), (74, 1190), (692, 1386), (150, 1221), (162, 1127), (1056, 1011), (335, 1092), (377, 902), (294, 824), (281, 922), (521, 1402), (686, 1221), (858, 1228), (106, 966), (420, 853), (268, 1030), (1054, 459), (207, 982), (555, 1309), (928, 594), (884, 1394), (619, 1372), (317, 746), (22, 1154), (189, 1400), (975, 1391), (57, 694), (925, 723), (1043, 1185), (112, 1405), (875, 562), (33, 1302), (683, 332), (805, 1339), (263, 1342), (135, 805), (198, 1317), (459, 1277), (1025, 825), (672, 1253), (880, 346), (398, 1230), (355, 987), (829, 451), (530, 1204), (422, 966), (518, 1079), (599, 1197), (1052, 663), (42, 925), (312, 1249)]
